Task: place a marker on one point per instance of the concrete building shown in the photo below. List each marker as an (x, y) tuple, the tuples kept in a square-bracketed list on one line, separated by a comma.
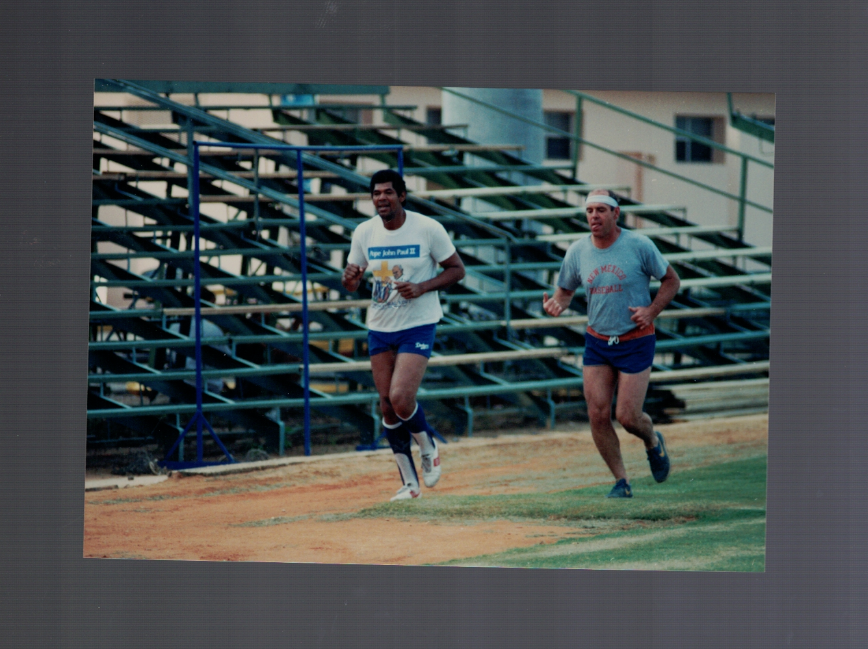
[(703, 113)]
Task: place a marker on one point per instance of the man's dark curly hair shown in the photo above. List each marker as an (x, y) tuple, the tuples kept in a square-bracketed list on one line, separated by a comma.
[(388, 176)]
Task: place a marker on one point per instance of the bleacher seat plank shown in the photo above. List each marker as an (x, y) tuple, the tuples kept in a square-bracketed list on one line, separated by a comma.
[(689, 230)]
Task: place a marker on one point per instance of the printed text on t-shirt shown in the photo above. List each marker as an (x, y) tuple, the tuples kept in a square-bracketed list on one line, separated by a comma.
[(602, 290), (393, 252), (608, 268)]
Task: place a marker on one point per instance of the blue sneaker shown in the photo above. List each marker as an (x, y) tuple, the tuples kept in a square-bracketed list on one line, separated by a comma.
[(658, 458), (621, 490)]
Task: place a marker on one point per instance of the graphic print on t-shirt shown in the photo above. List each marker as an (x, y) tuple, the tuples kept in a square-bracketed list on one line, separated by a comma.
[(409, 254), (385, 276), (383, 281), (600, 271), (393, 252), (614, 278)]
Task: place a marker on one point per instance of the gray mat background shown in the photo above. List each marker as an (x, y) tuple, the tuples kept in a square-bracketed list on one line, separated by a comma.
[(813, 591)]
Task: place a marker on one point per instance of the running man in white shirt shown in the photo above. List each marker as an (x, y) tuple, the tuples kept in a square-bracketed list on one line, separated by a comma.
[(403, 250)]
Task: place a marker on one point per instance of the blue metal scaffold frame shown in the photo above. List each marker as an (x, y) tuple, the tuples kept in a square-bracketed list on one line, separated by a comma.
[(199, 418)]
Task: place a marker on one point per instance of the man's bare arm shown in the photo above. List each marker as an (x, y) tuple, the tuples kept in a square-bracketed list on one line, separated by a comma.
[(670, 283), (557, 303), (453, 272), (352, 277)]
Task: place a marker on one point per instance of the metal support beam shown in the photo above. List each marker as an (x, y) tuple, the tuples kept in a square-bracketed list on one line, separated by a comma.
[(199, 417)]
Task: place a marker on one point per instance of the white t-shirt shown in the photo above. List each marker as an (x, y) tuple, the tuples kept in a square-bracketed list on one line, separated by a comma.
[(411, 253)]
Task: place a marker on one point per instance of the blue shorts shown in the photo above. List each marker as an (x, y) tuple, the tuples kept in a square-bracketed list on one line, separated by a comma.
[(630, 357), (416, 340)]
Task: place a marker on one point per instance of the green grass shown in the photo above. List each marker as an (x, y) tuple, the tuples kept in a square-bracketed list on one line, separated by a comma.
[(709, 518), (699, 545)]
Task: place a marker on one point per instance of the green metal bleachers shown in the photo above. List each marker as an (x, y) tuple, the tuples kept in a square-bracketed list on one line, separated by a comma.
[(495, 350)]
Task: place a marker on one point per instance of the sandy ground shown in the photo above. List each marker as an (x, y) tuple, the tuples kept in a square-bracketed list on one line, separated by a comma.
[(297, 512)]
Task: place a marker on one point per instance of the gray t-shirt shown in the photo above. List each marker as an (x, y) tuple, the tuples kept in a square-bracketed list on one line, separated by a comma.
[(614, 278)]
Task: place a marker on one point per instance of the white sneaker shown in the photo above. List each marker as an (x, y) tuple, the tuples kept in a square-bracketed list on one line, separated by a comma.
[(407, 493), (431, 466)]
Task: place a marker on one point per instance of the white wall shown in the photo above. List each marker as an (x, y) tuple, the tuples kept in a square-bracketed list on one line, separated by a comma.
[(627, 135)]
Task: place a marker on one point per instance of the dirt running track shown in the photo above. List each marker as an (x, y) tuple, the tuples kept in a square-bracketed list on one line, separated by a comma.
[(293, 513)]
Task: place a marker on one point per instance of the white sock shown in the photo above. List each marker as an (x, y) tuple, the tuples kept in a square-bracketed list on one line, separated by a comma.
[(406, 471), (426, 445), (423, 439)]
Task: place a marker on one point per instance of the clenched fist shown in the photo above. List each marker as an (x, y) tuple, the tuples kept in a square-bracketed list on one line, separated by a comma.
[(352, 277), (552, 306)]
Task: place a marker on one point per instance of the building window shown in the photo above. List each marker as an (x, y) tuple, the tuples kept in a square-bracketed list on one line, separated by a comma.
[(559, 147), (433, 116), (688, 150)]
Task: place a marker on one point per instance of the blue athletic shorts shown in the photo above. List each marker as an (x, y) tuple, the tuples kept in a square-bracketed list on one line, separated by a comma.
[(416, 340), (630, 357)]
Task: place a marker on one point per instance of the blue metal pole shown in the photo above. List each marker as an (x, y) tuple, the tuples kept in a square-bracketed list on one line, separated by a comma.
[(198, 307), (304, 316), (178, 442), (200, 384), (199, 416)]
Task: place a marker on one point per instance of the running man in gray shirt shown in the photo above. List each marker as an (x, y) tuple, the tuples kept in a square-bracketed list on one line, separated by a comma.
[(616, 266)]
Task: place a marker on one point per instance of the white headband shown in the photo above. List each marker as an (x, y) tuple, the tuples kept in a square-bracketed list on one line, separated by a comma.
[(601, 198)]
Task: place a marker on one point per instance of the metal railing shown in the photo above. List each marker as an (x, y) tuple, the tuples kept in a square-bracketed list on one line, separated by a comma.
[(502, 239), (198, 418), (581, 97)]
